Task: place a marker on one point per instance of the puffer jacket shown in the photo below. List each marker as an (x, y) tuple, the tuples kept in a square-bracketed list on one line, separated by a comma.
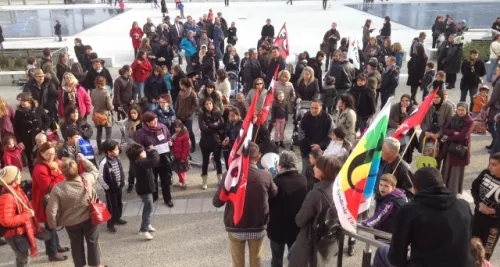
[(166, 116), (154, 87), (211, 134), (44, 179), (180, 146)]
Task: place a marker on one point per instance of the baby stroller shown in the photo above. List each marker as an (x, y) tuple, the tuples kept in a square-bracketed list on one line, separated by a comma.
[(233, 81), (300, 109), (430, 151), (123, 130)]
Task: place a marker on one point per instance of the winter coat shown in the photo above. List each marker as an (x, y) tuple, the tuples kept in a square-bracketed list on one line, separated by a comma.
[(231, 63), (165, 51), (232, 38), (177, 33), (89, 81), (472, 71), (390, 81), (463, 138), (437, 226), (396, 117), (315, 130), (7, 123), (163, 6), (386, 29), (12, 157), (29, 123), (166, 116), (186, 106), (450, 29), (149, 29), (224, 88), (278, 64), (188, 46), (427, 80), (374, 80), (143, 173), (81, 125), (365, 101), (344, 74), (57, 29), (140, 72), (298, 71), (347, 122), (288, 91), (251, 71), (284, 207), (306, 251), (84, 102), (386, 210), (148, 136), (180, 146), (260, 101), (2, 39), (37, 91), (371, 51), (124, 91), (403, 174), (279, 111), (215, 95), (444, 114), (385, 52), (14, 216), (44, 179), (233, 131), (107, 177), (208, 69), (136, 41), (438, 28), (315, 64), (416, 70), (154, 87), (450, 56), (331, 42), (61, 69), (260, 188), (212, 129), (267, 31), (218, 35), (307, 92), (101, 100)]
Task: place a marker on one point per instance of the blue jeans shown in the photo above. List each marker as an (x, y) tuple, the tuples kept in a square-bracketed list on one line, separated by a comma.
[(381, 258), (147, 211), (493, 66), (140, 88)]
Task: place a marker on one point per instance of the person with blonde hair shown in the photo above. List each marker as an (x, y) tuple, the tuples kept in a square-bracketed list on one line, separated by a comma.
[(284, 85), (68, 207), (71, 93), (103, 105), (478, 253), (6, 119), (307, 86)]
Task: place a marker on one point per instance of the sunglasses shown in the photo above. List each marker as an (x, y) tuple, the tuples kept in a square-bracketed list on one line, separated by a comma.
[(259, 83)]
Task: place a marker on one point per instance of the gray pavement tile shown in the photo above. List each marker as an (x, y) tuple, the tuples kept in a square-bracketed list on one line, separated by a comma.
[(179, 206), (161, 209), (193, 205), (132, 208), (221, 209), (207, 206)]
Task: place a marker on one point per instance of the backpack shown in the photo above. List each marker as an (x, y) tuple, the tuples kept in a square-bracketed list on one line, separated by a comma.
[(327, 225)]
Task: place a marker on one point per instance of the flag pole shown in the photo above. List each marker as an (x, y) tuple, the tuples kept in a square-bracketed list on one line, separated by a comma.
[(404, 152)]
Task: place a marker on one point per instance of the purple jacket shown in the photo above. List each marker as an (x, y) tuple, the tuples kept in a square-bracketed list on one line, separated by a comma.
[(385, 211), (151, 137)]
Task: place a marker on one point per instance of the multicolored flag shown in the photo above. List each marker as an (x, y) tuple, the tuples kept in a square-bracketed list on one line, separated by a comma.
[(353, 187), (416, 116), (269, 100), (353, 52), (282, 42), (234, 189)]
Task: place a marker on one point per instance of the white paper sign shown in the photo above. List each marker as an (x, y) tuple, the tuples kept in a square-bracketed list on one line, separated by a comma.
[(162, 148)]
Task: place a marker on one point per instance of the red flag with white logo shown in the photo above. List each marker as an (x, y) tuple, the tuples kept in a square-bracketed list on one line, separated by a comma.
[(282, 42), (269, 100)]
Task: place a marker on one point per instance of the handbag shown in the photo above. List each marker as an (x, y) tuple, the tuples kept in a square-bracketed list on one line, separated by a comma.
[(457, 149), (99, 119), (99, 213)]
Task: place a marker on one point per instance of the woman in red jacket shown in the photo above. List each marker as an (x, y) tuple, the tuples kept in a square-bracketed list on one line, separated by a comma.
[(46, 174), (16, 214), (136, 34), (141, 68), (71, 93), (180, 149)]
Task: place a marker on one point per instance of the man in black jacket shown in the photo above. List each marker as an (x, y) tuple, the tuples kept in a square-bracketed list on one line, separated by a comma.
[(165, 55), (315, 131), (267, 33), (277, 62), (251, 70), (435, 224), (473, 69), (332, 36), (251, 228), (343, 72), (390, 81), (97, 70), (391, 164), (315, 63)]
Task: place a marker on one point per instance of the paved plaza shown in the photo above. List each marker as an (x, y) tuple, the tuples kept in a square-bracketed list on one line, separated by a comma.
[(192, 234)]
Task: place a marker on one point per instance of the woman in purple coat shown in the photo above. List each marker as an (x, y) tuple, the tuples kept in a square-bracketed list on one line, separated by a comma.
[(456, 132)]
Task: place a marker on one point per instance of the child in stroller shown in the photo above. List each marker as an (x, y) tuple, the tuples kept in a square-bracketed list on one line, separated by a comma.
[(300, 109)]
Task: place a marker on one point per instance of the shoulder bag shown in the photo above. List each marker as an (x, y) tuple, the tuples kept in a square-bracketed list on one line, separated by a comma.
[(99, 213)]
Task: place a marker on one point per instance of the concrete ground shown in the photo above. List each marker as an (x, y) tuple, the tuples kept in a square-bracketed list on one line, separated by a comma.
[(192, 233)]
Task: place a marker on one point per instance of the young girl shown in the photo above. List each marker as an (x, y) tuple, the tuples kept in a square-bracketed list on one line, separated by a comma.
[(180, 149), (165, 112), (478, 253), (132, 125), (311, 179), (122, 6), (167, 77), (279, 118), (12, 152), (399, 54)]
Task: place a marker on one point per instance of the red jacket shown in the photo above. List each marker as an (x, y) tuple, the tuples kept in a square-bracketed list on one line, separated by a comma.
[(43, 178), (180, 146), (12, 157), (140, 72), (136, 42), (84, 102), (14, 217)]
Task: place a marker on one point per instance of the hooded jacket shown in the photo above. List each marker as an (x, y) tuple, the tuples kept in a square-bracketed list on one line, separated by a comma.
[(385, 211), (143, 173), (365, 100), (437, 227), (390, 81)]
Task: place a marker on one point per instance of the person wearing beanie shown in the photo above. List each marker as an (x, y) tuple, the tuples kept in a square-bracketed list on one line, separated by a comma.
[(16, 215)]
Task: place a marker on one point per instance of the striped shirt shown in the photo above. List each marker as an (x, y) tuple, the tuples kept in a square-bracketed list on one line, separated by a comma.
[(115, 169)]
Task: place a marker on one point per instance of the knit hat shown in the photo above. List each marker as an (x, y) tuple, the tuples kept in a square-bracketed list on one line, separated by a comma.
[(9, 175)]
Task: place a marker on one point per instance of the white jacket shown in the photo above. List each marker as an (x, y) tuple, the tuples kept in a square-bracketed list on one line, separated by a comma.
[(495, 50)]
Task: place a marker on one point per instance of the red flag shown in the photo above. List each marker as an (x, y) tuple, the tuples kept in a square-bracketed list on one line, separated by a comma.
[(269, 100), (282, 42), (416, 117), (234, 189)]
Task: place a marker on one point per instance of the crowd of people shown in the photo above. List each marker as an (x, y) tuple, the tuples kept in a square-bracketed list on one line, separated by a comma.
[(157, 97)]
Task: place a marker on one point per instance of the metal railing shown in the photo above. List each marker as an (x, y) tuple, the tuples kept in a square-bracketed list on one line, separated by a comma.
[(16, 59), (368, 240)]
